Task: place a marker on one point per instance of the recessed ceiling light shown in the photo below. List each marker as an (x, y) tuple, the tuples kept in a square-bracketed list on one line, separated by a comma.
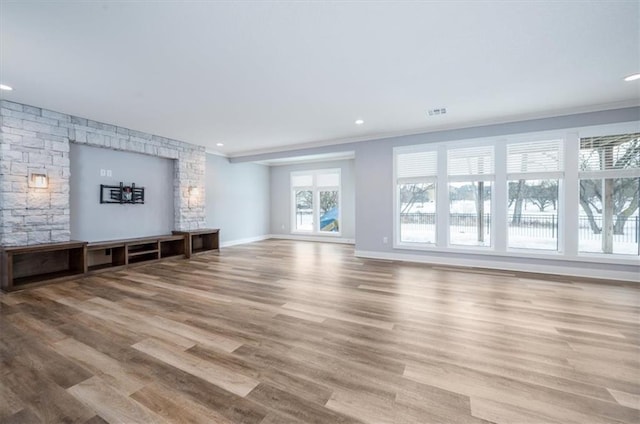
[(5, 87), (219, 144), (359, 122), (632, 77)]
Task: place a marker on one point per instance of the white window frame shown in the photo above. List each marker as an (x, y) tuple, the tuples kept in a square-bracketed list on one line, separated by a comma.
[(469, 178), (568, 193), (602, 175), (397, 231), (315, 189), (546, 175)]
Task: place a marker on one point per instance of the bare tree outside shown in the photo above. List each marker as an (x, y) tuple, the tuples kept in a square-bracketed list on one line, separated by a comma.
[(608, 203), (328, 201), (411, 194)]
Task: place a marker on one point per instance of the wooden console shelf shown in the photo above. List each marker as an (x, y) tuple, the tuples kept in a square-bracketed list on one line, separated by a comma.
[(174, 245), (200, 241), (27, 266), (142, 250), (106, 255), (116, 253)]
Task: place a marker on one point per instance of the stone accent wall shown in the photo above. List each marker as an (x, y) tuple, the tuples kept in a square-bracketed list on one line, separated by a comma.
[(35, 139)]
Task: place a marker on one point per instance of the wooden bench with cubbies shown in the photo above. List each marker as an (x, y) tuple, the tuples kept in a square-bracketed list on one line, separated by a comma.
[(26, 266)]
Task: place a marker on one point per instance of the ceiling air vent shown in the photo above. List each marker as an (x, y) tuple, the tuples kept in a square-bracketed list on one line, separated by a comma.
[(437, 112)]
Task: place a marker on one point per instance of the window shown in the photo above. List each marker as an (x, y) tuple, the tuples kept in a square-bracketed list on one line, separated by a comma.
[(534, 173), (470, 172), (609, 191), (503, 196), (416, 196), (316, 201)]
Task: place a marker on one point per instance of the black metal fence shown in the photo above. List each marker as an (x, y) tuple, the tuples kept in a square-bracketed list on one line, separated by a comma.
[(418, 218), (534, 226), (591, 229), (470, 220)]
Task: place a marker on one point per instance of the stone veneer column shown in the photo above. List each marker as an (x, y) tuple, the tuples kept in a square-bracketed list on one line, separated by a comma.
[(34, 139)]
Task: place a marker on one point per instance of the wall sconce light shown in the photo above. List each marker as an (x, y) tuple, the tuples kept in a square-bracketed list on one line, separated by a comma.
[(192, 200), (38, 179)]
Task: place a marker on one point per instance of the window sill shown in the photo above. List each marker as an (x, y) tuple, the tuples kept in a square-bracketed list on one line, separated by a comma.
[(525, 254)]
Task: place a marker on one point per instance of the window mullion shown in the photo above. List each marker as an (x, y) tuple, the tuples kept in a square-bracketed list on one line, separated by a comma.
[(610, 173), (499, 227), (316, 204), (442, 200), (316, 209), (556, 175), (569, 226), (471, 177)]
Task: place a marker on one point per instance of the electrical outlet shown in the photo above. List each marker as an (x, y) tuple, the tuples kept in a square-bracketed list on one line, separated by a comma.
[(103, 172), (108, 172), (385, 240)]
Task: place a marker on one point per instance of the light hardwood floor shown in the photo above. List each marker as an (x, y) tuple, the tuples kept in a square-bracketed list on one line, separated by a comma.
[(296, 332)]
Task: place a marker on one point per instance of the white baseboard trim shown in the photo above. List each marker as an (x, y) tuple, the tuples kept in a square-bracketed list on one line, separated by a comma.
[(548, 268), (244, 240), (327, 239)]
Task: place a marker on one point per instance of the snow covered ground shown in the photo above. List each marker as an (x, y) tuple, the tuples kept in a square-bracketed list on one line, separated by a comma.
[(519, 237), (421, 233)]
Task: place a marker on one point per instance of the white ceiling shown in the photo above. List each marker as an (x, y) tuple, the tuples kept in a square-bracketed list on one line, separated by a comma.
[(264, 76)]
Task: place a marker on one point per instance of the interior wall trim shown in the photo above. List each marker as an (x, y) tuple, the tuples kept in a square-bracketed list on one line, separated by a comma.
[(572, 270), (244, 240), (338, 240)]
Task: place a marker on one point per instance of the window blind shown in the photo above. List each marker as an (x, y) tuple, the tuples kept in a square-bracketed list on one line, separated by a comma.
[(535, 157), (417, 164), (610, 152), (328, 179), (470, 161), (302, 180)]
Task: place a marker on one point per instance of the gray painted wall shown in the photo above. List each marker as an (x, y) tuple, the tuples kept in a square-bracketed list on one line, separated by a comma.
[(374, 198), (373, 192), (374, 204), (237, 199), (281, 195), (92, 221)]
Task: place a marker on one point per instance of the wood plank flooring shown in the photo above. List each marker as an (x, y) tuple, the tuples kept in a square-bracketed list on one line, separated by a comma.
[(280, 332)]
